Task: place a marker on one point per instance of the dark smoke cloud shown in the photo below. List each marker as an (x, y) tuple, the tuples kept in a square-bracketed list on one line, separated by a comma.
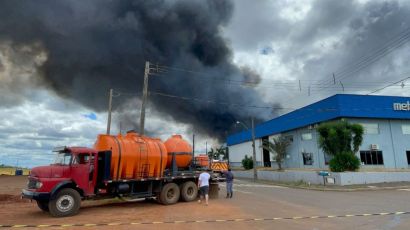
[(93, 46), (250, 75)]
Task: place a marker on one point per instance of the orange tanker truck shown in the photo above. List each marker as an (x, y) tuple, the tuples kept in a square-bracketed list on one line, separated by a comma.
[(128, 166)]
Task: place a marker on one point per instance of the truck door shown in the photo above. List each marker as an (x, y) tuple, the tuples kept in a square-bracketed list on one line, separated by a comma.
[(82, 171)]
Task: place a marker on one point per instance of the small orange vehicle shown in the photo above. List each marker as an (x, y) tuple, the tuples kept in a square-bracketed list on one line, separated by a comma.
[(202, 160)]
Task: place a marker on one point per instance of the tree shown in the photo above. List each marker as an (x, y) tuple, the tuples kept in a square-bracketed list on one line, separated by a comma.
[(278, 147), (247, 162), (211, 154), (216, 153), (339, 138)]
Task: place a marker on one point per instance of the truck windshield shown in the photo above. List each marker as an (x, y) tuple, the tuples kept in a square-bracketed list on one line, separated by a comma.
[(63, 158)]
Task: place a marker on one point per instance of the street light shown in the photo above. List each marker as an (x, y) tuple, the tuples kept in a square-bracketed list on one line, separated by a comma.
[(255, 173), (238, 122)]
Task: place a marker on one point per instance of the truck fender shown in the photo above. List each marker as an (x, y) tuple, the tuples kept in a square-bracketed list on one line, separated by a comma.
[(61, 185)]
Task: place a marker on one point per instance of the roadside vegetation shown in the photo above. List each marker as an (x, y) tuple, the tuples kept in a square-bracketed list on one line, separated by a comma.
[(11, 170), (247, 162), (341, 140), (218, 153), (278, 148)]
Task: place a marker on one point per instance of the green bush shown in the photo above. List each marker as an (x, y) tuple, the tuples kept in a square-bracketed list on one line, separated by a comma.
[(345, 161), (247, 162)]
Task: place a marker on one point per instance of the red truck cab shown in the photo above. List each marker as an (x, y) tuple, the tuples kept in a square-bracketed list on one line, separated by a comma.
[(59, 187)]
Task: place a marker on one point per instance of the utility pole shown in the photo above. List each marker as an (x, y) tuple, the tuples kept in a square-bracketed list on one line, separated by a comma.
[(255, 172), (144, 98), (109, 112), (193, 145)]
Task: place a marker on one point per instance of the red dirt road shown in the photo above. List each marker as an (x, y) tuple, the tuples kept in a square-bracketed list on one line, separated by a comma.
[(252, 203), (14, 211)]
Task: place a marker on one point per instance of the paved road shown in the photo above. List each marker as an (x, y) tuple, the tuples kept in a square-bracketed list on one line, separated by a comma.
[(267, 201), (254, 206)]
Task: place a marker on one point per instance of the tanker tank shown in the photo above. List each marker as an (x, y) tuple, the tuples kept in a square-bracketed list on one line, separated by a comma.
[(182, 150), (134, 156)]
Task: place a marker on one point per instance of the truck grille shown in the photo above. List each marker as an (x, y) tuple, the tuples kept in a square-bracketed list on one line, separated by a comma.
[(31, 184)]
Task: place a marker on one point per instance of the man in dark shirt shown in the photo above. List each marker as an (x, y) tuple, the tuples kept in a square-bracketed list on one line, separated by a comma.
[(229, 183)]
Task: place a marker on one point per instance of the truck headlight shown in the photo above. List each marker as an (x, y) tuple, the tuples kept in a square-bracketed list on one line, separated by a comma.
[(39, 184)]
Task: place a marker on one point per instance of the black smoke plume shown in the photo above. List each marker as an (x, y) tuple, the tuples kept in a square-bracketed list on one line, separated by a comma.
[(93, 46)]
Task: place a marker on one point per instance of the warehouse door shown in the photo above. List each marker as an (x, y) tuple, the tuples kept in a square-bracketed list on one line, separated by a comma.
[(266, 154), (408, 157)]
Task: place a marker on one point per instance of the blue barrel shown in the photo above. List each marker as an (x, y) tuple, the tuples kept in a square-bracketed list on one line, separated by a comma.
[(18, 172)]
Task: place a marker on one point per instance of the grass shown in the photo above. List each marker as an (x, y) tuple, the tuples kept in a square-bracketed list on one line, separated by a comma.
[(11, 171)]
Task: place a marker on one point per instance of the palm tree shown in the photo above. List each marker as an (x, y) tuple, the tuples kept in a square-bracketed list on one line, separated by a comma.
[(216, 153), (211, 154), (278, 146)]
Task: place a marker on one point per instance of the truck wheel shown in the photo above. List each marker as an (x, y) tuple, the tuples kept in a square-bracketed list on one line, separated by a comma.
[(43, 205), (66, 203), (189, 191), (169, 194)]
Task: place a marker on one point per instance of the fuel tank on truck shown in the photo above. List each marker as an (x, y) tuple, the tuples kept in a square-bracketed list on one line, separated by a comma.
[(134, 156), (182, 150)]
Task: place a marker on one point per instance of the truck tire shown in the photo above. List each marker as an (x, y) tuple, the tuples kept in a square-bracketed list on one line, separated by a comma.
[(43, 205), (66, 203), (169, 194), (189, 191)]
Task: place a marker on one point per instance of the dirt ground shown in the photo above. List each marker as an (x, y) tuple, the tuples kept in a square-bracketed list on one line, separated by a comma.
[(14, 210)]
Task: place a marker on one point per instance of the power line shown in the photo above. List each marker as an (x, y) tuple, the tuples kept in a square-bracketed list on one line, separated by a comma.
[(266, 107), (216, 78), (387, 48), (377, 90), (285, 85), (212, 101), (367, 60)]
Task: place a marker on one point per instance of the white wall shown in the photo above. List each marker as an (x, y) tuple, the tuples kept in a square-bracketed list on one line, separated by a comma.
[(345, 178), (238, 152)]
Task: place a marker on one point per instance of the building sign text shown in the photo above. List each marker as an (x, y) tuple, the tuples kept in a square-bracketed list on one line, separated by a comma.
[(402, 106)]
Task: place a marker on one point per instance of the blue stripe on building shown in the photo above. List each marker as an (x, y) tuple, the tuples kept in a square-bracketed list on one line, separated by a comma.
[(337, 106)]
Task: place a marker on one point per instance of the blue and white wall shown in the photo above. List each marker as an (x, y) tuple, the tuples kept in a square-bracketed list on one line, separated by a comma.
[(386, 117), (389, 138)]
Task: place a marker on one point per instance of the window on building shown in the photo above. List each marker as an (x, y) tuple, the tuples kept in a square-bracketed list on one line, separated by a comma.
[(307, 158), (371, 157), (405, 129), (306, 136), (289, 138), (408, 157), (370, 128), (327, 158)]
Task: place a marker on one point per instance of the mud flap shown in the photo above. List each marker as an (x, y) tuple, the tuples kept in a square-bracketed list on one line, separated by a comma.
[(213, 190)]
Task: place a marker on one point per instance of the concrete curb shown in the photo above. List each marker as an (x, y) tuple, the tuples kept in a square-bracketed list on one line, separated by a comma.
[(375, 188)]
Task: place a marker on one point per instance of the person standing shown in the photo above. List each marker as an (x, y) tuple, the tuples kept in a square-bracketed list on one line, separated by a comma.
[(229, 183), (203, 185)]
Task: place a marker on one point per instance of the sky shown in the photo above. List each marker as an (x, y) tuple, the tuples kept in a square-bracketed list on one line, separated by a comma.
[(218, 62)]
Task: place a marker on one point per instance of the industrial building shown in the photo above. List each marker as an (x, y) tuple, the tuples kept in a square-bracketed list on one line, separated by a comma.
[(386, 139)]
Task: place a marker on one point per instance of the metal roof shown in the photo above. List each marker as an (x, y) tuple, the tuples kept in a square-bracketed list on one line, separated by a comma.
[(336, 106)]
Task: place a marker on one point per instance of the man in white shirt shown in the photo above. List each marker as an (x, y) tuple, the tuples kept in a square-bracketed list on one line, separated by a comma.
[(203, 185)]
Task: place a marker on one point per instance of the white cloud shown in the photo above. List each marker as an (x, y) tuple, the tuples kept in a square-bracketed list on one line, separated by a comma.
[(294, 10), (33, 128)]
